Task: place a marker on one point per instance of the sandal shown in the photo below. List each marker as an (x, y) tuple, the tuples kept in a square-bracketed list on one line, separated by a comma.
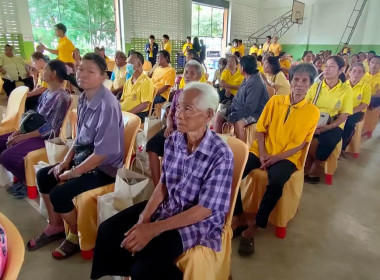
[(44, 239), (312, 180), (246, 247), (67, 248), (238, 231)]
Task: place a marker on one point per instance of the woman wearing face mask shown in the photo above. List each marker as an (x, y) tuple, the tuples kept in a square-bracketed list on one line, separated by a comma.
[(137, 90)]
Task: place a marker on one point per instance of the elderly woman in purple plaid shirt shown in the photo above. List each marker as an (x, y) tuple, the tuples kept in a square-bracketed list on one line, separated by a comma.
[(52, 105), (188, 206)]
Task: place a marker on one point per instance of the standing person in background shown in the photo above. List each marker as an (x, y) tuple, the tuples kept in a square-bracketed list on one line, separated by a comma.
[(275, 47), (234, 47), (241, 48), (66, 50), (165, 44), (196, 46), (202, 55), (13, 69), (266, 47), (260, 51), (253, 49), (187, 46), (151, 50)]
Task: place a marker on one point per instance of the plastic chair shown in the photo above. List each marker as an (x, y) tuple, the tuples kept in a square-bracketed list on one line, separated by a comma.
[(354, 146), (33, 157), (73, 122), (253, 188), (86, 203), (15, 109), (108, 84), (1, 85), (16, 249), (370, 121), (147, 66), (110, 65), (202, 262)]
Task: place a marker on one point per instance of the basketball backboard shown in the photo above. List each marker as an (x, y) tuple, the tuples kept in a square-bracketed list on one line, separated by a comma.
[(297, 12)]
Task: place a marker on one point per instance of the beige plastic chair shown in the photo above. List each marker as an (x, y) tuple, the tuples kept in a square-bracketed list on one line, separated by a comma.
[(147, 66), (202, 262), (110, 65), (86, 203), (356, 141), (36, 156), (15, 109), (1, 85), (370, 121), (16, 249)]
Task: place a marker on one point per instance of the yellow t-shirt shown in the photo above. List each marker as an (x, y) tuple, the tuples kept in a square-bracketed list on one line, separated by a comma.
[(168, 47), (260, 52), (286, 126), (163, 77), (260, 68), (373, 81), (337, 100), (285, 64), (275, 48), (185, 47), (266, 47), (135, 94), (361, 92), (280, 81), (253, 50), (65, 50), (235, 79), (240, 49), (120, 74), (182, 83), (40, 82)]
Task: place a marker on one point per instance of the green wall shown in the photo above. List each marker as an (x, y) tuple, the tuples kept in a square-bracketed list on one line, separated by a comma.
[(297, 50), (27, 48)]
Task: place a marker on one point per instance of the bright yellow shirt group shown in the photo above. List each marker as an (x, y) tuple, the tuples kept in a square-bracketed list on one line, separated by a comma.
[(373, 81), (286, 126), (279, 80), (136, 93), (235, 79), (184, 48), (240, 49), (168, 47), (361, 93), (65, 50)]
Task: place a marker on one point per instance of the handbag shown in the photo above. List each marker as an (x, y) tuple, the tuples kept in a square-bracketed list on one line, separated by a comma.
[(31, 121), (324, 118), (82, 152)]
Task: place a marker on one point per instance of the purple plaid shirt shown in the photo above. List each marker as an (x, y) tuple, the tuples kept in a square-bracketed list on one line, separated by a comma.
[(173, 106), (202, 178)]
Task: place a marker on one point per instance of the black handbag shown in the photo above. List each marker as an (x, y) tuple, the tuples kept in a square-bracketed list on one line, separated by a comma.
[(31, 121), (82, 152)]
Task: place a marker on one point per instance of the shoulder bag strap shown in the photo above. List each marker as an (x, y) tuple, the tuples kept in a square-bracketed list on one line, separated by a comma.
[(317, 93)]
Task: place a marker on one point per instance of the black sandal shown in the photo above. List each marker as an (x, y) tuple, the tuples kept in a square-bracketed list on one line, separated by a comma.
[(44, 239), (312, 180), (246, 247), (238, 231)]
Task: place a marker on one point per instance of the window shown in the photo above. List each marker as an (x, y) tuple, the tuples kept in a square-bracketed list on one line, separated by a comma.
[(90, 23), (9, 28), (207, 21)]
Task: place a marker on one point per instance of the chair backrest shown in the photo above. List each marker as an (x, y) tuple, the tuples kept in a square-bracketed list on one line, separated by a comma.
[(130, 132), (305, 151), (240, 151), (1, 84), (110, 65), (147, 66), (108, 84), (271, 91), (16, 249), (62, 133), (16, 106)]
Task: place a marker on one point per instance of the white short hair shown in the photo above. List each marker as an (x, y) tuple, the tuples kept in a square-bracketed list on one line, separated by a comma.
[(196, 65), (208, 99)]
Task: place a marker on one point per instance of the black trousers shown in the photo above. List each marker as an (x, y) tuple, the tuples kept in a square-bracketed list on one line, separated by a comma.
[(278, 174), (143, 115), (156, 143), (327, 142), (61, 196), (349, 128), (155, 261), (9, 86)]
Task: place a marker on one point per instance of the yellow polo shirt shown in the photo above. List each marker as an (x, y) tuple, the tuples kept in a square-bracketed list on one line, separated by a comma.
[(163, 77), (235, 79), (266, 47), (65, 50), (361, 92), (119, 73), (168, 47), (284, 131), (260, 52), (366, 65), (275, 48), (280, 81), (185, 46), (40, 82), (285, 64), (182, 83), (337, 100), (373, 81), (240, 49), (135, 94), (253, 50)]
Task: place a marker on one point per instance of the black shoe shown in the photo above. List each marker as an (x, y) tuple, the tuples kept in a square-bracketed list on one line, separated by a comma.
[(246, 247), (311, 180), (16, 187)]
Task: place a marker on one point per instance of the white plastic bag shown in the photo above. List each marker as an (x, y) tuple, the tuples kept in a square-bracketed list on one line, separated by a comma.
[(5, 177), (56, 150), (43, 209), (141, 154), (105, 207)]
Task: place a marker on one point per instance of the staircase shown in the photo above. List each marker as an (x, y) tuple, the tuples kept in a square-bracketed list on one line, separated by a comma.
[(351, 24)]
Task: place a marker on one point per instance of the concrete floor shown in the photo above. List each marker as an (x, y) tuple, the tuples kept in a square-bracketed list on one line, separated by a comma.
[(335, 234)]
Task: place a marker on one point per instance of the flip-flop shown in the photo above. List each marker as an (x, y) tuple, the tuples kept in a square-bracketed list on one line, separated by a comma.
[(68, 248), (238, 231), (44, 239), (312, 180), (246, 247), (15, 188), (23, 192)]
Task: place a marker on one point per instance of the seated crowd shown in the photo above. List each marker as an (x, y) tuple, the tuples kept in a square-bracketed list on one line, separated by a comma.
[(321, 97)]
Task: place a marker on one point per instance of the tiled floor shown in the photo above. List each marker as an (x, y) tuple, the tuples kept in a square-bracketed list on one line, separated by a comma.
[(335, 234)]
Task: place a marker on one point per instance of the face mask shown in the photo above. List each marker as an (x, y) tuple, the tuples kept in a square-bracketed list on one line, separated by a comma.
[(130, 70)]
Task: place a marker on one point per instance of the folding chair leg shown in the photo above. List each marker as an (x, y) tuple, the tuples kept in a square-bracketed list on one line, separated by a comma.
[(87, 255), (281, 232), (329, 179)]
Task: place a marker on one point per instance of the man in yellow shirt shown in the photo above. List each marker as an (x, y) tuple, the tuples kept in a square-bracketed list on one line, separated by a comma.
[(373, 79), (165, 44), (163, 78), (65, 50), (367, 61), (138, 90), (253, 49), (187, 46), (119, 73), (238, 46), (266, 46), (275, 47)]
